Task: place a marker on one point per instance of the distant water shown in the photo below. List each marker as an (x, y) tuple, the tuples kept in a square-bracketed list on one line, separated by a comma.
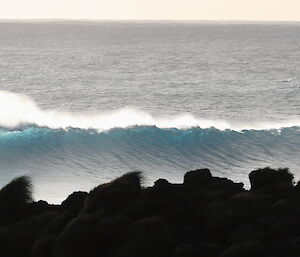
[(83, 102)]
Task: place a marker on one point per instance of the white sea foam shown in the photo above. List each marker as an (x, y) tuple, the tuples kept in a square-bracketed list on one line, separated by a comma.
[(18, 110)]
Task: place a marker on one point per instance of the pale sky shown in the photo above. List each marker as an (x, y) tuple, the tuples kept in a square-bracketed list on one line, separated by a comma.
[(273, 10)]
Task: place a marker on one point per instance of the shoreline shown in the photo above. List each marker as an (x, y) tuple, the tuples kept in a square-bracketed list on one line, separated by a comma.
[(203, 216)]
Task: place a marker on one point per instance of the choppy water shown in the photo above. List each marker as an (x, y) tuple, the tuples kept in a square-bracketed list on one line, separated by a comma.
[(83, 102)]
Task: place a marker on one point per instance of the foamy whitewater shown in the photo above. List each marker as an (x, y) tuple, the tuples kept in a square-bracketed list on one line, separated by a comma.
[(84, 102)]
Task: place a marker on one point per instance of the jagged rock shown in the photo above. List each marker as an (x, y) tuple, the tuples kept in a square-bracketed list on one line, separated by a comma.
[(262, 178), (74, 202), (14, 198), (205, 216), (40, 207), (112, 196), (197, 178)]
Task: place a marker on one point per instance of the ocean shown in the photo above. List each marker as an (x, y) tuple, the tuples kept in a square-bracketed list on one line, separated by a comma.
[(82, 102)]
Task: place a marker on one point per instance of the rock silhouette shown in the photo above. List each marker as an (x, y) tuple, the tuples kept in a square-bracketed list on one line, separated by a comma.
[(14, 198), (204, 216)]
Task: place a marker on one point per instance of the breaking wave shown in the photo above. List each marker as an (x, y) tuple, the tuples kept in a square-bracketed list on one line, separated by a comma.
[(78, 151), (18, 111)]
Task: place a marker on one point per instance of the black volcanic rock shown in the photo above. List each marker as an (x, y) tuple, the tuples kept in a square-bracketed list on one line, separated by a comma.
[(205, 216), (197, 178), (149, 236), (161, 183), (262, 178), (74, 202), (14, 198), (245, 249), (39, 207), (114, 195)]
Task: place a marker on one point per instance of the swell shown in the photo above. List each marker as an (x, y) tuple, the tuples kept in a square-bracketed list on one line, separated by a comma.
[(147, 148), (64, 151)]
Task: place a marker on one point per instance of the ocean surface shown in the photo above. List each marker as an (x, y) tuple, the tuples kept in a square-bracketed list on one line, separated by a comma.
[(83, 102)]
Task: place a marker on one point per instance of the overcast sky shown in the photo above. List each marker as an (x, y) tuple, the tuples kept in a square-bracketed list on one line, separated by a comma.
[(152, 9)]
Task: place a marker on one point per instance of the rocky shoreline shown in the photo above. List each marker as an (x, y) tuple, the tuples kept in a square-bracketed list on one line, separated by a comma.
[(204, 216)]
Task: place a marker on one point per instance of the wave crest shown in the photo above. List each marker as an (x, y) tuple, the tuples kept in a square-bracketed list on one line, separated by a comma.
[(17, 110)]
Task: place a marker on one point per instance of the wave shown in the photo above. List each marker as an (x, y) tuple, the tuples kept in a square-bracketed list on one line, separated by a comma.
[(147, 148), (63, 151), (19, 111)]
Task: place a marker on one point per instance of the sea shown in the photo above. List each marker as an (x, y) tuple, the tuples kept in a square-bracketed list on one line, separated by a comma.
[(83, 102)]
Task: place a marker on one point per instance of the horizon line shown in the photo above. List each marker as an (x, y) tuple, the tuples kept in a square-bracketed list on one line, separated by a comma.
[(146, 20)]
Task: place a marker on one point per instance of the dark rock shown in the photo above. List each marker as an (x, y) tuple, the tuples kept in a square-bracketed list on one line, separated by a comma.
[(197, 178), (246, 232), (108, 234), (20, 237), (246, 249), (262, 178), (203, 217), (43, 247), (40, 207), (5, 253), (114, 195), (187, 250), (14, 198), (147, 237), (74, 239), (74, 202), (161, 183), (57, 225)]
